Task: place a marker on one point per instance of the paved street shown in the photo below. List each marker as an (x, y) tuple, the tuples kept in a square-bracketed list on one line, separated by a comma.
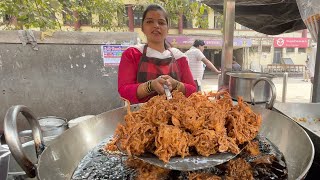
[(297, 89)]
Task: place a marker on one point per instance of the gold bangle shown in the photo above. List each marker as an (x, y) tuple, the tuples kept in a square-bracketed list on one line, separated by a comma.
[(178, 86), (149, 87), (146, 87)]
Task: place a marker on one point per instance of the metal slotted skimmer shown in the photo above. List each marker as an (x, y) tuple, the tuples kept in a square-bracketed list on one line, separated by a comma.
[(100, 164), (189, 163)]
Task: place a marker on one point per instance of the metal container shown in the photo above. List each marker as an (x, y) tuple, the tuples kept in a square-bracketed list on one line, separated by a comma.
[(4, 162), (59, 159), (51, 126), (240, 84), (14, 170)]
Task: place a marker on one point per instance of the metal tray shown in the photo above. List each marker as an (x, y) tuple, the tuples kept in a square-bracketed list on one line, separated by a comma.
[(306, 115)]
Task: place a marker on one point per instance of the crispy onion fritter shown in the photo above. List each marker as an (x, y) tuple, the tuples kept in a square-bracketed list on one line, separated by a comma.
[(203, 176), (239, 169), (171, 141), (147, 171), (205, 122)]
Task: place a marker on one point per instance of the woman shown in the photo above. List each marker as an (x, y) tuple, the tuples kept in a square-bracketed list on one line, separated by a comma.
[(145, 69)]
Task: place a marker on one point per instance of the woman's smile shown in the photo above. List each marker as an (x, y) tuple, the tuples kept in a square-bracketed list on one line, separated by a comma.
[(156, 32)]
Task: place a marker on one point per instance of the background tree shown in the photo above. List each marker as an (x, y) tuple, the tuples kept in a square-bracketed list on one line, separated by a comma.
[(192, 10), (110, 14), (46, 14), (25, 14)]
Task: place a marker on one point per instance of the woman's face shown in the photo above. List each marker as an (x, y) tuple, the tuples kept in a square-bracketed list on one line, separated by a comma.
[(155, 26)]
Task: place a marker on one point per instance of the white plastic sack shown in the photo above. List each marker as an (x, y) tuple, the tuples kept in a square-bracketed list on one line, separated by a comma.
[(310, 14)]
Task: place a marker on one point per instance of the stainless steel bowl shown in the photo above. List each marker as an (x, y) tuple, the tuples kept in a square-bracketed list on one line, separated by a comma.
[(240, 84)]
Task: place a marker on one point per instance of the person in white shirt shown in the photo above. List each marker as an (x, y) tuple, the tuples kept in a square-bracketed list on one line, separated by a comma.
[(198, 62), (311, 62), (235, 65)]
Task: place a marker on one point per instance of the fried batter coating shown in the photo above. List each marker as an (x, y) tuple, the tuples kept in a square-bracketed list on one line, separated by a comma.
[(239, 169), (265, 159), (205, 141), (147, 171), (217, 121), (228, 144), (171, 141), (155, 111), (242, 123), (253, 148), (191, 120), (137, 138), (203, 176)]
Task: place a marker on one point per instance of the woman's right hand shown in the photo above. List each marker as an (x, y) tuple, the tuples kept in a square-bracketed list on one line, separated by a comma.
[(157, 85)]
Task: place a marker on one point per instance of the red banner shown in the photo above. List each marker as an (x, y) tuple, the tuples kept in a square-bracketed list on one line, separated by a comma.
[(290, 42)]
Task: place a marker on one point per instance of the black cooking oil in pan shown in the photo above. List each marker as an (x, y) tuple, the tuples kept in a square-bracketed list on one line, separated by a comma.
[(98, 164)]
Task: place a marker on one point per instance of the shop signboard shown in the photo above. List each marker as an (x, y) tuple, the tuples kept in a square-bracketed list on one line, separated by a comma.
[(284, 42), (210, 42)]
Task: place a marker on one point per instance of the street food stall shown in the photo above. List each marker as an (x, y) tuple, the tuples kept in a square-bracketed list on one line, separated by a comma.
[(60, 158)]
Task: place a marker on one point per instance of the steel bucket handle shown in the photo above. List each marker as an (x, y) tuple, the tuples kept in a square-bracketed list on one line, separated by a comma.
[(13, 141), (269, 105)]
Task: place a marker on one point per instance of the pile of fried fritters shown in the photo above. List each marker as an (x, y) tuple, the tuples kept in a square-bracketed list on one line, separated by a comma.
[(203, 123)]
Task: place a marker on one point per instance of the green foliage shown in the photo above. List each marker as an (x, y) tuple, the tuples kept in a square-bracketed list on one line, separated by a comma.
[(111, 13), (46, 14), (192, 10), (198, 12), (30, 13)]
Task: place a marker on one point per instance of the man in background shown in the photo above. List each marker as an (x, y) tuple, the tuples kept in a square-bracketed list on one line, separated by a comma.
[(311, 62), (235, 66), (197, 60), (306, 72)]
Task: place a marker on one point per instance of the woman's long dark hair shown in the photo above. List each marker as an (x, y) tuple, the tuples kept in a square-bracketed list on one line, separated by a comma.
[(156, 7)]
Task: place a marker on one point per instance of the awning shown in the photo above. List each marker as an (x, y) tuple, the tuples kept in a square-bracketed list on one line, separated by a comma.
[(265, 16)]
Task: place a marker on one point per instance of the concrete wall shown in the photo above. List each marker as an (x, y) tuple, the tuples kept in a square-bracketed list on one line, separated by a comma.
[(65, 77)]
